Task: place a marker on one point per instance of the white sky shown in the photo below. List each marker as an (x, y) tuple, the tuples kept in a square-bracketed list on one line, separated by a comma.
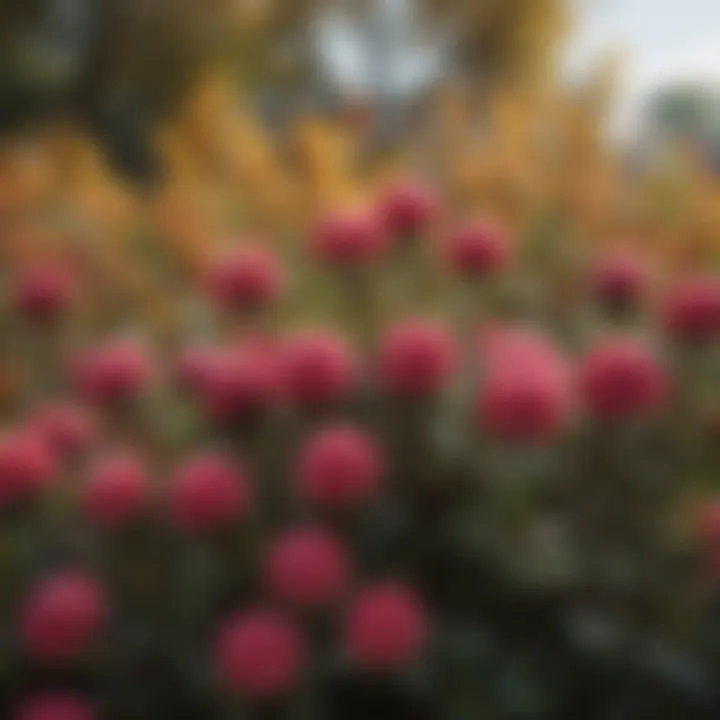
[(661, 41)]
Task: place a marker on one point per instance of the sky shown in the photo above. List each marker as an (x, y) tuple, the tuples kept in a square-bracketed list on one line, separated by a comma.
[(661, 41)]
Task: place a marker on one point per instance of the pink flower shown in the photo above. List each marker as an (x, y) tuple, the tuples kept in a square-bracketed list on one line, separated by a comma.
[(408, 209), (243, 382), (116, 371), (27, 466), (209, 492), (43, 292), (621, 379), (62, 616), (477, 249), (526, 393), (69, 428), (387, 627), (307, 568), (619, 279), (317, 368), (501, 343), (55, 706), (247, 278), (692, 310), (117, 491), (259, 654), (340, 468), (417, 359), (349, 238)]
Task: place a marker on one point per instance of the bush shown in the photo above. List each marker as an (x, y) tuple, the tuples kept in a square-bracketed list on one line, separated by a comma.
[(362, 484)]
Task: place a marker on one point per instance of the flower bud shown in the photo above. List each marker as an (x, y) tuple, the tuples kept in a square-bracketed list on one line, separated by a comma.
[(417, 359), (339, 468), (208, 493), (27, 467), (116, 492), (692, 310), (408, 209), (620, 379), (247, 278), (619, 280), (259, 654), (387, 627), (477, 250), (526, 393), (349, 239), (62, 616), (307, 568), (113, 372), (316, 368), (43, 292)]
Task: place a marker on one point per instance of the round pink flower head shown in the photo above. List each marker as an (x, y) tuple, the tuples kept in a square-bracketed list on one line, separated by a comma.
[(209, 492), (43, 292), (417, 359), (349, 238), (259, 654), (621, 379), (387, 627), (117, 491), (62, 616), (317, 368), (339, 468), (477, 249), (692, 310), (247, 278), (408, 209), (526, 390), (307, 568)]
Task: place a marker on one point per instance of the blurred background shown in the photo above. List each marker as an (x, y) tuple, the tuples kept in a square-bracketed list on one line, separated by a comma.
[(121, 68)]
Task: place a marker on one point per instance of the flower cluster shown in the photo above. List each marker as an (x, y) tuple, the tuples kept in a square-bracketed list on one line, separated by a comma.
[(376, 457)]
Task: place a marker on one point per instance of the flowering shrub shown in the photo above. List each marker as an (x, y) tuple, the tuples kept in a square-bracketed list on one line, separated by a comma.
[(376, 474)]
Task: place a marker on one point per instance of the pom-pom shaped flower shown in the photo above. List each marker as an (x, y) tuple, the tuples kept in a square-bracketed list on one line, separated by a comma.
[(117, 491), (243, 382), (349, 238), (526, 393), (339, 468), (307, 568), (477, 249), (259, 654), (209, 492), (62, 616), (417, 359), (247, 278), (408, 209), (316, 368), (619, 280), (621, 379), (692, 310), (27, 466), (387, 627), (113, 372), (43, 292)]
